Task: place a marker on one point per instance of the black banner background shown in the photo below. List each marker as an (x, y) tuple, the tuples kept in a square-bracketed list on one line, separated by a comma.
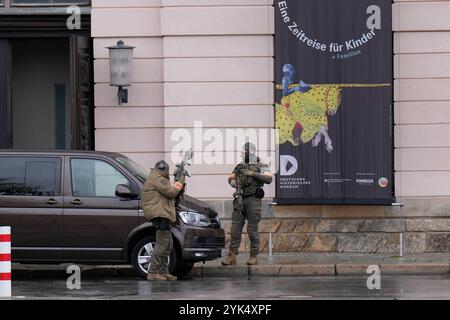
[(359, 168)]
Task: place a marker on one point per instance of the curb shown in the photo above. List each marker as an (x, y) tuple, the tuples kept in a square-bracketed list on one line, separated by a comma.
[(285, 270), (204, 271), (416, 268), (320, 270)]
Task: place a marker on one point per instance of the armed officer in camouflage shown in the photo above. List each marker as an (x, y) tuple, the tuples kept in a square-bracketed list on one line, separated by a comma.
[(248, 178)]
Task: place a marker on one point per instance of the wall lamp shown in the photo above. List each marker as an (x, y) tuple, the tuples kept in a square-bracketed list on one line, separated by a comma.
[(120, 61)]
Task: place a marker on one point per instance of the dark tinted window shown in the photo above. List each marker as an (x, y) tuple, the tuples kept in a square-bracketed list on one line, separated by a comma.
[(21, 176), (95, 178)]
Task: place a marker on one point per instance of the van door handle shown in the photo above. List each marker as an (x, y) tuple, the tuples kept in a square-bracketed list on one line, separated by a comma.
[(77, 202), (51, 201)]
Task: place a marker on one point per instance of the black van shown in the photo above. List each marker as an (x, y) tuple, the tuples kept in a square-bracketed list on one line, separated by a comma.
[(65, 206)]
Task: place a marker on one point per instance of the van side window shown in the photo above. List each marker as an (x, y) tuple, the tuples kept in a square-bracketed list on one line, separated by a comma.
[(21, 176), (95, 178)]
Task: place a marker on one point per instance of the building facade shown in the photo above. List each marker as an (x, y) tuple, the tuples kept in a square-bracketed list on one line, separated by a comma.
[(211, 63)]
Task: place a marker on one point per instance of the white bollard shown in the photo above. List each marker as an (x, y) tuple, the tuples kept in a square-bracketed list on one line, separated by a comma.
[(401, 244), (270, 247), (5, 262)]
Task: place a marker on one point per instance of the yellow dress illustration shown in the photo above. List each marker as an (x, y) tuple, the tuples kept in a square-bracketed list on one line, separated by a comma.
[(305, 108)]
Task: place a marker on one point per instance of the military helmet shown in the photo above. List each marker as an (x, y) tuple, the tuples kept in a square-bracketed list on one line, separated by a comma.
[(162, 166)]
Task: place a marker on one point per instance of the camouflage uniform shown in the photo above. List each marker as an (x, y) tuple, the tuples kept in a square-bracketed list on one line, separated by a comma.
[(246, 206), (164, 245), (248, 178)]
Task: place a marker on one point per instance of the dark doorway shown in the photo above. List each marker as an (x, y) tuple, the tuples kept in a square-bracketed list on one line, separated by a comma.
[(41, 91), (46, 90)]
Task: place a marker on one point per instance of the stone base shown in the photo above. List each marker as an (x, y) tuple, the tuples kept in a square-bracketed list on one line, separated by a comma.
[(424, 225)]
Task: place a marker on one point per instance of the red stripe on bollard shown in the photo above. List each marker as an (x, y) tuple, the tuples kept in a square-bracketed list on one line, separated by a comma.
[(5, 257), (5, 276), (5, 238)]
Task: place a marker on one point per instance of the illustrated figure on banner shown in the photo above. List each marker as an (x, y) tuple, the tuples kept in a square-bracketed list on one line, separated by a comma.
[(302, 115)]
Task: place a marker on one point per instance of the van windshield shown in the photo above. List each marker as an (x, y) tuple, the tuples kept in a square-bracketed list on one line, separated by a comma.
[(136, 169)]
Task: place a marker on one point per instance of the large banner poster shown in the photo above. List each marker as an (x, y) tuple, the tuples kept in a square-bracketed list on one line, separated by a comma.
[(334, 101)]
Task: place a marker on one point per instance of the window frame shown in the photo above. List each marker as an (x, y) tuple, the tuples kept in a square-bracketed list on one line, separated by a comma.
[(59, 190), (133, 185)]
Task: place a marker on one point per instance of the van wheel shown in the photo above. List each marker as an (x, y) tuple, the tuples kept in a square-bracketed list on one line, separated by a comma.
[(143, 251), (141, 255)]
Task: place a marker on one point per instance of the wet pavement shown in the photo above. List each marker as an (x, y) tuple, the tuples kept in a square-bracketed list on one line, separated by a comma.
[(285, 288)]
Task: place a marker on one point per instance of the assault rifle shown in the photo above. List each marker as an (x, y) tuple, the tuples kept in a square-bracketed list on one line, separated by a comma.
[(180, 167), (180, 171)]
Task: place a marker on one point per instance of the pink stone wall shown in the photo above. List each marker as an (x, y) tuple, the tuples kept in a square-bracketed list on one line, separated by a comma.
[(195, 60), (422, 98)]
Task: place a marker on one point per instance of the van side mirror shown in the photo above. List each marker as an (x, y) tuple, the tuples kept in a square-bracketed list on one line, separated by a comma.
[(124, 191)]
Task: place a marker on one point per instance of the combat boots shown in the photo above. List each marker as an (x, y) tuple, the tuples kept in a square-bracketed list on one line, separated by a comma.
[(230, 260), (156, 277), (170, 277), (253, 260)]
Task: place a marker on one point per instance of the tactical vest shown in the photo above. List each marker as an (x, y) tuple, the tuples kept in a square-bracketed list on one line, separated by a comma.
[(246, 183)]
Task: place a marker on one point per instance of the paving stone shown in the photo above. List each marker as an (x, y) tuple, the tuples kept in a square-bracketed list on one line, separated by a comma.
[(414, 242), (269, 226), (265, 270), (321, 243), (369, 242), (288, 226), (382, 225), (350, 269), (415, 268), (303, 270), (283, 242), (305, 226), (338, 226), (428, 225), (438, 242)]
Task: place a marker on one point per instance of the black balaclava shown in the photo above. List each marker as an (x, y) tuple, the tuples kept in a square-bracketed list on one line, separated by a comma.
[(249, 153)]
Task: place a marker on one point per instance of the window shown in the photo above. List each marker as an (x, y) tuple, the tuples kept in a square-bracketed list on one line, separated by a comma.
[(2, 3), (95, 178), (30, 176), (137, 170)]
